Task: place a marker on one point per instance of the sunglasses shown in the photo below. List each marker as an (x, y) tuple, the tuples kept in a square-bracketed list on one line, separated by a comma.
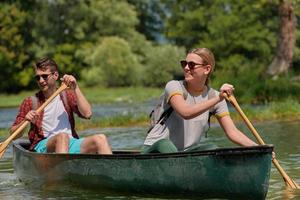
[(44, 76), (192, 65)]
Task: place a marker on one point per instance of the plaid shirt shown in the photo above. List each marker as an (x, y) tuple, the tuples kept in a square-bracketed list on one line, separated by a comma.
[(35, 133)]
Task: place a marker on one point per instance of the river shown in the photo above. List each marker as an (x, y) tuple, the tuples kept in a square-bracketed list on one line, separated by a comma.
[(284, 135)]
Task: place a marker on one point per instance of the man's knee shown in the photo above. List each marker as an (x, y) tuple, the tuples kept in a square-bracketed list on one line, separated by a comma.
[(100, 138), (62, 137), (60, 140)]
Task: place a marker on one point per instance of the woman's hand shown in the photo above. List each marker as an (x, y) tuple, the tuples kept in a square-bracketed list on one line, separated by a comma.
[(226, 88), (70, 81), (273, 155)]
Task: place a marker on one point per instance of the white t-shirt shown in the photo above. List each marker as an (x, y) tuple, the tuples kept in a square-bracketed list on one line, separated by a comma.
[(184, 133), (55, 119)]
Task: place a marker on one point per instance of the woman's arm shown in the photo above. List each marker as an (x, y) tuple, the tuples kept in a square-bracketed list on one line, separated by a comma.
[(234, 134), (190, 111), (187, 111)]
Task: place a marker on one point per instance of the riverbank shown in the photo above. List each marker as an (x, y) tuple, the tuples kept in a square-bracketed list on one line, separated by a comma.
[(288, 110)]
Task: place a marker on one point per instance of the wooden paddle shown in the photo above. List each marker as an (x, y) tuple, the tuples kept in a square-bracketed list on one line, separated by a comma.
[(4, 145), (289, 182)]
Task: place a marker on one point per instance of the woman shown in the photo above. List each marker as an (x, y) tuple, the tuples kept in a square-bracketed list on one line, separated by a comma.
[(191, 101)]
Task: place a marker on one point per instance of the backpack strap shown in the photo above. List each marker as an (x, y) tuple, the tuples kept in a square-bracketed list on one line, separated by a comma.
[(211, 94), (166, 114), (34, 102), (65, 100), (183, 87), (169, 111)]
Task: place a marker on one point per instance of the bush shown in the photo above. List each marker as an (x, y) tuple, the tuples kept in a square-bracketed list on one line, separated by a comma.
[(112, 64), (162, 65), (251, 84)]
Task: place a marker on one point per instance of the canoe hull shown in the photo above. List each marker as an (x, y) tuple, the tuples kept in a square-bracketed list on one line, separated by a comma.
[(240, 173)]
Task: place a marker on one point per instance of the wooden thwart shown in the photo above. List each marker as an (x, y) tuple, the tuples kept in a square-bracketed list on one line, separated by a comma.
[(4, 145), (289, 182)]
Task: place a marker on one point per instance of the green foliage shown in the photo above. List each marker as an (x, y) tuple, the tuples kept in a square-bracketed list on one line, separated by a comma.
[(245, 76), (139, 45), (287, 109), (112, 17), (114, 63), (66, 60), (104, 43), (114, 121), (281, 88), (229, 28), (162, 64), (12, 48), (151, 15), (242, 35)]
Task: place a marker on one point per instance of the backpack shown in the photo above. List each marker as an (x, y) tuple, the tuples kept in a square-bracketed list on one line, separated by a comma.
[(159, 115)]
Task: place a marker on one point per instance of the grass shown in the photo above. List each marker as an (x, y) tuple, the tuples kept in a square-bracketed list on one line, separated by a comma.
[(13, 100), (288, 109), (94, 95)]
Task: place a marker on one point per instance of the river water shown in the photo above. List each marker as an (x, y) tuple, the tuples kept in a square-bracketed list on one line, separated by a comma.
[(284, 135)]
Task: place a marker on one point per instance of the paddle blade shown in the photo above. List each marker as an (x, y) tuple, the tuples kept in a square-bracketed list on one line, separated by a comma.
[(296, 186), (289, 182)]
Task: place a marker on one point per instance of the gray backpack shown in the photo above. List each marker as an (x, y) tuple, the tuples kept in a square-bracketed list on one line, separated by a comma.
[(159, 115)]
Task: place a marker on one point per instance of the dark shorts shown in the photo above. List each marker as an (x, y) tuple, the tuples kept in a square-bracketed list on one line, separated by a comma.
[(166, 146), (161, 146)]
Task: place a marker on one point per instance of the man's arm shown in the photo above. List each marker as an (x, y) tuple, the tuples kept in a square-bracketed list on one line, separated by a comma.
[(25, 114), (84, 106)]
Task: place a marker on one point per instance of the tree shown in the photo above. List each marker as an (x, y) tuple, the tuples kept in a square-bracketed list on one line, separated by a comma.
[(151, 15), (242, 35), (162, 65), (113, 64), (13, 55), (286, 39)]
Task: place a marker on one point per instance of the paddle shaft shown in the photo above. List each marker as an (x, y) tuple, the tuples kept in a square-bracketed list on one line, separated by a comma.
[(287, 179), (23, 125)]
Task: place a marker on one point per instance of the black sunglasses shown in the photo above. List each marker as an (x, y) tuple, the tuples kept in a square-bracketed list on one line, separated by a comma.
[(44, 76), (190, 64)]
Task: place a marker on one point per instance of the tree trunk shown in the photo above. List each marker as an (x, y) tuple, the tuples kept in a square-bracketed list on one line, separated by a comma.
[(286, 39)]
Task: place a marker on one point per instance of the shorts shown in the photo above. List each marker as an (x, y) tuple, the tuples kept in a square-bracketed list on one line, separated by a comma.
[(74, 145)]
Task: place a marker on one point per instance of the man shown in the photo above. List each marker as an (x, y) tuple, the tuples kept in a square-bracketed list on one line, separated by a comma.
[(53, 130)]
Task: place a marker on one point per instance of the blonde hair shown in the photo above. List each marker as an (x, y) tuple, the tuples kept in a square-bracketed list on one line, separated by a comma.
[(208, 59)]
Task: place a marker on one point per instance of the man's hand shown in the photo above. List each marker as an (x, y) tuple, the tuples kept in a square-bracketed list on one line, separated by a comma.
[(70, 81), (32, 116)]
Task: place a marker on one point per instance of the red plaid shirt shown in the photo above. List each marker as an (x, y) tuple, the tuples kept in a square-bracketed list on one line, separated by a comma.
[(35, 133)]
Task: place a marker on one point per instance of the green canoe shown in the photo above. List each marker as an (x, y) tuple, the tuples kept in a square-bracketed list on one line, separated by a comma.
[(232, 173)]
